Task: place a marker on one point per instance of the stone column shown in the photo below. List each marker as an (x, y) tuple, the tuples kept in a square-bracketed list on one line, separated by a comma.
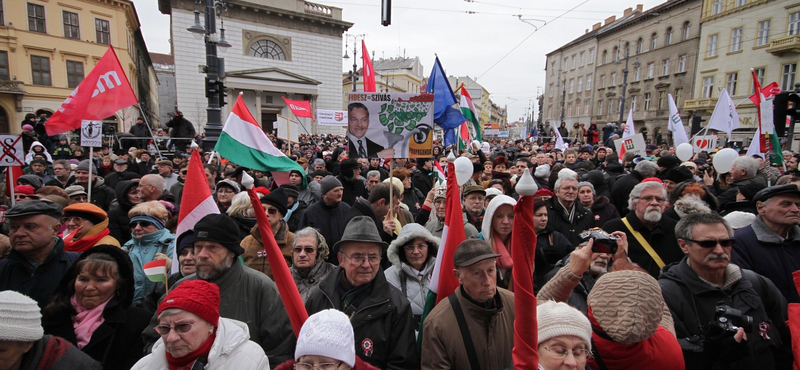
[(258, 108)]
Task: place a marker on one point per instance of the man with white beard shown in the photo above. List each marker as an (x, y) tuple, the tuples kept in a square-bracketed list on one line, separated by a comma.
[(651, 238)]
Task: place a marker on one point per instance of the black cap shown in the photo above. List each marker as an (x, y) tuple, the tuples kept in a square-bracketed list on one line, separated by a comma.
[(278, 199), (767, 193), (472, 251), (35, 207), (220, 229)]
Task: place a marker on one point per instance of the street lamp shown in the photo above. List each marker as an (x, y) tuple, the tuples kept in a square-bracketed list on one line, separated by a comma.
[(354, 72), (563, 97), (215, 66), (625, 82)]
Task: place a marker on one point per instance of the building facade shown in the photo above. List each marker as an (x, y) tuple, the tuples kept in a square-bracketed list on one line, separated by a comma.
[(47, 47), (395, 75), (164, 65), (737, 36), (284, 48)]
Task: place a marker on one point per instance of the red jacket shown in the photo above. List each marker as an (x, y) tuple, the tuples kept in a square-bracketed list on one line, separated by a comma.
[(659, 352)]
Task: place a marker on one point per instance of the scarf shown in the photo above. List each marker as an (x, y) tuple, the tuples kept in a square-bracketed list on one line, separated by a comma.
[(290, 211), (186, 362), (86, 241), (351, 295), (86, 321), (504, 261)]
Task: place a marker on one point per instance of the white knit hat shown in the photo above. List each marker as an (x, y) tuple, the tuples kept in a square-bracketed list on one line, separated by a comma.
[(20, 318), (558, 319), (739, 219), (327, 333)]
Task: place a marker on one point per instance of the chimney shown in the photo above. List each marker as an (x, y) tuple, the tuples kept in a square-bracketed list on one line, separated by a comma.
[(596, 26), (639, 8), (627, 12), (586, 31), (610, 19)]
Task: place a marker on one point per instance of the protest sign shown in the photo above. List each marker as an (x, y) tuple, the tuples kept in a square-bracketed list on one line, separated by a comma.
[(633, 144), (386, 125), (327, 117)]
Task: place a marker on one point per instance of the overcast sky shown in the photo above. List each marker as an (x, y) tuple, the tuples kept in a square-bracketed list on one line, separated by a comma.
[(482, 39)]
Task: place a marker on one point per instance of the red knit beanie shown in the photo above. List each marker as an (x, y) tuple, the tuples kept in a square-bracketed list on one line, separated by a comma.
[(25, 189), (196, 296)]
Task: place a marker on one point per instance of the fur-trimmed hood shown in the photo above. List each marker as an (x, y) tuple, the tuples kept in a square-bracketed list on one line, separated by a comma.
[(688, 205), (408, 233), (486, 226)]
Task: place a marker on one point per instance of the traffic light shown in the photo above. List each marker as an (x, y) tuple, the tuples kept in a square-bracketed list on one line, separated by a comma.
[(386, 12), (212, 87), (223, 92), (781, 110), (696, 122)]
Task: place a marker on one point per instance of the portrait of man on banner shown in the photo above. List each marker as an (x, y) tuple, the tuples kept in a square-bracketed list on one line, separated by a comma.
[(382, 125), (358, 144)]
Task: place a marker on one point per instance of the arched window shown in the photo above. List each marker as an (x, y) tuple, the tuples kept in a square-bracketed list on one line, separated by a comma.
[(627, 48), (616, 54), (605, 55), (653, 41), (686, 29), (639, 44), (668, 39), (267, 49)]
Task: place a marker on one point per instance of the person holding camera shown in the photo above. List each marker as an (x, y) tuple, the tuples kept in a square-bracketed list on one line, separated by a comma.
[(725, 317)]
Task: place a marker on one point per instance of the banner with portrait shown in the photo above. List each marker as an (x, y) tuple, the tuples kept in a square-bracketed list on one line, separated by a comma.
[(386, 125)]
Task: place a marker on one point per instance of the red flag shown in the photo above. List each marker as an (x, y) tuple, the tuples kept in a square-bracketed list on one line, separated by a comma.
[(452, 235), (300, 108), (104, 91), (280, 270), (369, 72), (768, 91), (523, 250), (794, 323)]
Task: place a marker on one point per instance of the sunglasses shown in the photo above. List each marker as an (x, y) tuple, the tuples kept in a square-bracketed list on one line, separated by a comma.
[(272, 211), (308, 250), (183, 173), (712, 243), (143, 224), (181, 328)]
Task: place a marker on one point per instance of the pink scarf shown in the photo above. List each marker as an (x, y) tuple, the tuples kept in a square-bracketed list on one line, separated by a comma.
[(504, 261), (86, 321)]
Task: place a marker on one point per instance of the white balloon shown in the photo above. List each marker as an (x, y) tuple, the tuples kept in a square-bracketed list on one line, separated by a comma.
[(684, 151), (463, 170), (723, 160)]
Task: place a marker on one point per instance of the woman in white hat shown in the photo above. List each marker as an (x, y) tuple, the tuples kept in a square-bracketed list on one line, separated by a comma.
[(564, 337)]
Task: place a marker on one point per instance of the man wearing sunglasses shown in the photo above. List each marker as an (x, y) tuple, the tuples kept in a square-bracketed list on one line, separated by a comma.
[(695, 287)]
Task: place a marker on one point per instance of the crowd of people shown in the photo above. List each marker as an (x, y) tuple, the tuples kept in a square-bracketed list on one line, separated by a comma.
[(684, 267)]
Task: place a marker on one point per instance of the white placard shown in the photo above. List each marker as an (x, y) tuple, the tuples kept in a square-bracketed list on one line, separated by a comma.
[(503, 134), (326, 117), (287, 129), (91, 133), (12, 151), (633, 144), (704, 143)]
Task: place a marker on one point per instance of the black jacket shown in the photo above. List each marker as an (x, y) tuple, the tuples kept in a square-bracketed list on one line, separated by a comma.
[(352, 190), (622, 188), (118, 221), (330, 222), (422, 180), (383, 320), (558, 221), (603, 210), (414, 199), (113, 178), (102, 195), (38, 283), (729, 195), (689, 299), (662, 239), (759, 249)]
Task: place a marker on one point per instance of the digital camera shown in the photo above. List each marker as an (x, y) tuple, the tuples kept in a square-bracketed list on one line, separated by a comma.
[(730, 319), (603, 241)]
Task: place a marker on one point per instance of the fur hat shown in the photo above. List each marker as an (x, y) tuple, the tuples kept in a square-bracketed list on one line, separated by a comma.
[(327, 333), (408, 233), (558, 319), (20, 318), (627, 305)]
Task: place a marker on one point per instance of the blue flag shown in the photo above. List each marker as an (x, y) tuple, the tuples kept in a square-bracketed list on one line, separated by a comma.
[(444, 114)]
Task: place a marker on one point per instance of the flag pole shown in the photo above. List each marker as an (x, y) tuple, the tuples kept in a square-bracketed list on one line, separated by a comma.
[(91, 181), (10, 174), (144, 117), (166, 277)]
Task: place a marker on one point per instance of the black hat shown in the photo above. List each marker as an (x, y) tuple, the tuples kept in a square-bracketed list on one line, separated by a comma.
[(472, 251), (750, 190), (700, 160), (650, 147), (35, 207), (764, 194), (319, 173), (477, 167), (220, 229), (185, 240), (291, 190), (668, 161), (32, 180), (360, 229), (678, 174), (586, 149), (120, 161), (278, 199)]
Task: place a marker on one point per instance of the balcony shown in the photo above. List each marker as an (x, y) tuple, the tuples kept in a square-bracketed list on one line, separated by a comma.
[(783, 45), (12, 87), (318, 9), (700, 104)]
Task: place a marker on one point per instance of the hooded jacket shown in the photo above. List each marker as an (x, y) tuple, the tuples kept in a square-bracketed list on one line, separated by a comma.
[(102, 195), (744, 290), (253, 247), (232, 349), (31, 152), (413, 284), (603, 210), (118, 220), (143, 250), (758, 248), (487, 234)]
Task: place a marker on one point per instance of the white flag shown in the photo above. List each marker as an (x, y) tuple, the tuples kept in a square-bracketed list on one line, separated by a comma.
[(629, 129), (675, 123), (725, 117), (559, 140), (755, 145)]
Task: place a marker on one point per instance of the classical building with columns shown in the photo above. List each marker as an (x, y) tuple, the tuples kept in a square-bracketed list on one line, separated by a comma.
[(280, 48)]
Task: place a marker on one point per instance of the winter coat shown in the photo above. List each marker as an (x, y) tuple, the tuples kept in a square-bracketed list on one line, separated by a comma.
[(690, 299), (143, 250), (422, 180), (311, 194), (181, 128), (39, 283), (414, 199), (592, 135), (118, 220), (251, 297), (564, 286), (621, 190), (294, 214), (232, 349), (661, 238), (352, 190), (31, 152), (603, 210), (306, 282), (255, 256), (729, 195), (758, 248), (413, 284), (492, 332), (102, 195), (554, 246), (62, 152), (436, 227), (382, 322), (52, 352), (56, 182), (328, 220), (557, 220)]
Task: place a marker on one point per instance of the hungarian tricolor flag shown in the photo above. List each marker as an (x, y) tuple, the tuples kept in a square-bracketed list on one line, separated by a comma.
[(243, 142), (103, 92), (438, 172), (300, 108), (769, 141), (156, 270), (196, 201), (369, 72), (468, 109)]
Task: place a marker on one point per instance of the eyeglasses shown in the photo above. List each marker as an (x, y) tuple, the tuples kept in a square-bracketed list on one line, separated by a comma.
[(184, 173), (325, 366), (563, 352), (75, 219), (20, 196), (420, 246), (143, 224), (360, 258), (649, 199), (308, 250), (180, 328), (712, 243), (272, 211)]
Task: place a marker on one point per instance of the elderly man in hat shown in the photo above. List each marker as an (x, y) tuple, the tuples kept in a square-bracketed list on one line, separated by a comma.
[(246, 295), (473, 204), (381, 315), (37, 261), (86, 176), (120, 173), (770, 246), (486, 338), (328, 216), (164, 168)]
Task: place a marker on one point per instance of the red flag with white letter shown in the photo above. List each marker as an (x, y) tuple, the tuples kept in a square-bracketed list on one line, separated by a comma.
[(300, 108), (369, 72), (104, 91)]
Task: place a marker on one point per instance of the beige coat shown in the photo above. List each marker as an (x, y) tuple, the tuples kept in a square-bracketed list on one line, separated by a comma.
[(252, 248)]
